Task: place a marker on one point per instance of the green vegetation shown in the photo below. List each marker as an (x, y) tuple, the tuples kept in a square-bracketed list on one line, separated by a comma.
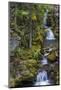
[(26, 25), (52, 56)]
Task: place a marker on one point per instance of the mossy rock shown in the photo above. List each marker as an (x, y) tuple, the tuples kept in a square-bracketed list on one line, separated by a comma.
[(27, 69), (26, 64), (52, 56)]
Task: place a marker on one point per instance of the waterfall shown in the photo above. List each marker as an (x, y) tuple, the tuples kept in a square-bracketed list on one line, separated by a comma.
[(44, 61), (42, 78), (49, 34), (45, 18)]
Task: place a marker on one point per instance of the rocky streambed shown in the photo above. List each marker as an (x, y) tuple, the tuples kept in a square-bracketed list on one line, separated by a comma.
[(48, 74)]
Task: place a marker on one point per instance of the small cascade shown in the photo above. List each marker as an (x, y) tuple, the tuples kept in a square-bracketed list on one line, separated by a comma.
[(45, 18), (44, 61), (42, 78), (49, 34)]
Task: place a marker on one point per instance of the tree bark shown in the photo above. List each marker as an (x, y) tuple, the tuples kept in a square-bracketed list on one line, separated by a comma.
[(30, 28)]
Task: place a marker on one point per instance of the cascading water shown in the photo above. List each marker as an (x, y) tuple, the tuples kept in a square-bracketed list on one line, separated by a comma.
[(44, 61), (42, 77), (49, 34), (45, 18)]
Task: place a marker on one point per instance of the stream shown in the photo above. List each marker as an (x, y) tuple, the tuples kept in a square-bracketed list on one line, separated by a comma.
[(42, 76)]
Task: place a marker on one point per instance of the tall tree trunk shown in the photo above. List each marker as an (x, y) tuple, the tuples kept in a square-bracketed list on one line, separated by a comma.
[(30, 39), (30, 28), (15, 17), (16, 24)]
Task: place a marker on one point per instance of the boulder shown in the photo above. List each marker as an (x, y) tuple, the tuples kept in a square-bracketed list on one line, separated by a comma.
[(52, 56)]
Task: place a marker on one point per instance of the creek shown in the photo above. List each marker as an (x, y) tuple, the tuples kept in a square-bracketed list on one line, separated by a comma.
[(42, 76)]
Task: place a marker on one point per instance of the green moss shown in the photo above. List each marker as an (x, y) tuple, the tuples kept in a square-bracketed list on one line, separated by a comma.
[(26, 53), (27, 70), (26, 62), (52, 56), (36, 51), (39, 37)]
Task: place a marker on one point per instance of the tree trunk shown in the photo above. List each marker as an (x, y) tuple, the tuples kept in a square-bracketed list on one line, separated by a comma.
[(15, 17), (16, 23), (30, 28), (30, 39)]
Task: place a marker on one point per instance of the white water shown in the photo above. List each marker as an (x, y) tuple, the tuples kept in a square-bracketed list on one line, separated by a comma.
[(44, 61), (42, 78), (45, 17), (49, 34), (43, 83)]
